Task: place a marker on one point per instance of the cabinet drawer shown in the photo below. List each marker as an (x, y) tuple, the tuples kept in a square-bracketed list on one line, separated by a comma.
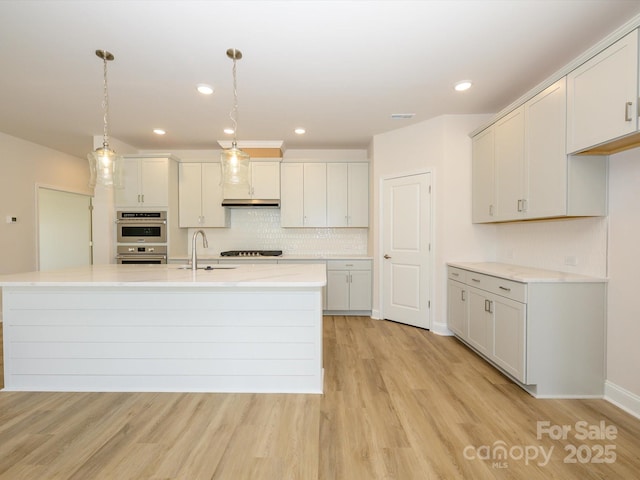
[(508, 288), (500, 286), (458, 274), (349, 265)]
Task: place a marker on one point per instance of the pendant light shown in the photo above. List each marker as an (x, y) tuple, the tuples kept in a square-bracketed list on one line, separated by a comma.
[(233, 161), (105, 166)]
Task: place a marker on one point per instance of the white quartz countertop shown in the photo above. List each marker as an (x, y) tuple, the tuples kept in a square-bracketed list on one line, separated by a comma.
[(523, 274), (319, 257), (243, 275)]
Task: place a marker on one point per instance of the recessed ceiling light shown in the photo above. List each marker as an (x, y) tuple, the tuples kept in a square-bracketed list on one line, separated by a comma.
[(204, 89), (300, 131), (229, 131), (462, 86), (159, 131)]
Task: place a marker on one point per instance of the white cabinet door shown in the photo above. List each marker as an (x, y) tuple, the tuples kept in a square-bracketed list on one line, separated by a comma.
[(509, 327), (457, 308), (315, 194), (358, 194), (129, 194), (337, 195), (146, 183), (200, 196), (213, 213), (483, 173), (602, 96), (509, 165), (347, 194), (190, 194), (265, 180), (292, 195), (264, 183), (337, 290), (545, 152), (154, 182), (360, 290), (480, 328)]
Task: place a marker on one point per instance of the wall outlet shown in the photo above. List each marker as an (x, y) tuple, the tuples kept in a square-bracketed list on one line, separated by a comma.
[(571, 260), (11, 219)]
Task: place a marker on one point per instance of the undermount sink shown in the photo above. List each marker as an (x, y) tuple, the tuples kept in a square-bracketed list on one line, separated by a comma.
[(208, 267)]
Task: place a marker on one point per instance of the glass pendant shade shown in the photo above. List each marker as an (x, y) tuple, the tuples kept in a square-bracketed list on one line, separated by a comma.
[(105, 168), (235, 166)]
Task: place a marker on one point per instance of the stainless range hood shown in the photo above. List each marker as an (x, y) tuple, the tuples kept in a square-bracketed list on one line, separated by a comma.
[(251, 202)]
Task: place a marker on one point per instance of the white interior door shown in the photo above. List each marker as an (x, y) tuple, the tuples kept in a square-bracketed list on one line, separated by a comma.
[(64, 229), (406, 226)]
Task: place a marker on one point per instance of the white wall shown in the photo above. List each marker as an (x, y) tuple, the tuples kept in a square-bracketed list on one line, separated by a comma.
[(443, 147), (23, 165), (623, 332)]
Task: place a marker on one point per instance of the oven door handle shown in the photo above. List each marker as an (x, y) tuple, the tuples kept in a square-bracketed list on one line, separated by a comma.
[(141, 257), (137, 221)]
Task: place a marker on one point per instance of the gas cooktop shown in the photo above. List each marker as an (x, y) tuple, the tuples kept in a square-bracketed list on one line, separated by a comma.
[(251, 253)]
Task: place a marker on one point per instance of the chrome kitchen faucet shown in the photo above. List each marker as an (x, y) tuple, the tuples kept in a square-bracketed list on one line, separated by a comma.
[(194, 256)]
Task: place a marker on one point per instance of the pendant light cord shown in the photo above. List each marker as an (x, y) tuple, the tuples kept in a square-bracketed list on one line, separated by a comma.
[(234, 112), (105, 107)]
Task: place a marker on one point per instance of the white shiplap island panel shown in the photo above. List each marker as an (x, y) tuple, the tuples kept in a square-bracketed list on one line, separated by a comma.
[(256, 328)]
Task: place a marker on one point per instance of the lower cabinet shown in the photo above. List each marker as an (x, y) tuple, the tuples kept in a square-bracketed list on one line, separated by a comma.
[(547, 335), (348, 286)]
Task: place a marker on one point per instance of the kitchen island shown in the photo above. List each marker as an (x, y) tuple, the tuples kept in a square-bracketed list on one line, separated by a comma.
[(165, 328)]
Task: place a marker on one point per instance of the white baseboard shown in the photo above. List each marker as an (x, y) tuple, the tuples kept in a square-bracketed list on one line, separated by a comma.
[(622, 398), (375, 314), (441, 329)]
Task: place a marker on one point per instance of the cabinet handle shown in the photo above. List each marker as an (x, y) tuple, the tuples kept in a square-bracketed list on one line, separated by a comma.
[(506, 289), (627, 111), (491, 210), (475, 280), (143, 198), (454, 274), (463, 297), (522, 205), (138, 198), (488, 306)]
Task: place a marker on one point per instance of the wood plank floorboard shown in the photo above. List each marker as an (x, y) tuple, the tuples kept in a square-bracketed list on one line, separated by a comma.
[(399, 403)]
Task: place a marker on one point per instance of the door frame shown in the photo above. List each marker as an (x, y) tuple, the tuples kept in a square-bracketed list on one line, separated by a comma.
[(431, 253), (38, 186)]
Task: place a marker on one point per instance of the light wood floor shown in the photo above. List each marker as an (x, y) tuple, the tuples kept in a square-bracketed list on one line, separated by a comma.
[(399, 403)]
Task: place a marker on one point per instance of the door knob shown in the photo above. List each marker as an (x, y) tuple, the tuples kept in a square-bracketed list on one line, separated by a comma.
[(387, 257)]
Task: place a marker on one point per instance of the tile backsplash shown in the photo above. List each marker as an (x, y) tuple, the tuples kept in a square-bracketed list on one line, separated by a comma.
[(259, 229)]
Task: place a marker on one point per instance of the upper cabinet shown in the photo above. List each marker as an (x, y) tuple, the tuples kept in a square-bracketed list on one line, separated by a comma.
[(348, 194), (509, 161), (200, 195), (304, 195), (265, 182), (602, 99), (146, 183), (483, 175), (521, 170), (325, 195)]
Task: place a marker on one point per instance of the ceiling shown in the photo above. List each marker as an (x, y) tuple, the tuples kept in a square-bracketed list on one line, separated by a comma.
[(340, 69)]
